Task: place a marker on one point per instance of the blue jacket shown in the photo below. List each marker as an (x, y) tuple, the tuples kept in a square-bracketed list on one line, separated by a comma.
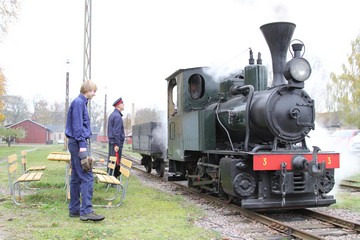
[(78, 121), (116, 133)]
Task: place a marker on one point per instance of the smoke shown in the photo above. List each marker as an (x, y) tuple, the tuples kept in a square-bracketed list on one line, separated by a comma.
[(280, 11), (349, 162), (232, 66), (160, 133)]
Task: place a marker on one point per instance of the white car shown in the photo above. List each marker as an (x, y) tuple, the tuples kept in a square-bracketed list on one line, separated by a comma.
[(345, 140), (60, 141)]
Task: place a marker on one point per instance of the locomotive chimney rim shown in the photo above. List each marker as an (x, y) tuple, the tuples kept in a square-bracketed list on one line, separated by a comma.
[(278, 36)]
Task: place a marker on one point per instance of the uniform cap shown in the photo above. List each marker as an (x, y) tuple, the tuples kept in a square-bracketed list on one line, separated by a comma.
[(117, 102)]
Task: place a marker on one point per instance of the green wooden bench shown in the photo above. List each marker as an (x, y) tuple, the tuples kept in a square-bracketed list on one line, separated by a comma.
[(120, 185), (33, 168), (14, 181)]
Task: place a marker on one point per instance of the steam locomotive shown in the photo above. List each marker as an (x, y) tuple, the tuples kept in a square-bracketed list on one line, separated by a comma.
[(241, 139)]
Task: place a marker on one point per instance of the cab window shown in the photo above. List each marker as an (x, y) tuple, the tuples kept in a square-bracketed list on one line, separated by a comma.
[(196, 86)]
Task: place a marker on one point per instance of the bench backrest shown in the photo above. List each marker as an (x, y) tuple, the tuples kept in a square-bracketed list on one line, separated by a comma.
[(111, 165), (12, 169), (12, 164), (23, 160), (32, 168), (125, 169)]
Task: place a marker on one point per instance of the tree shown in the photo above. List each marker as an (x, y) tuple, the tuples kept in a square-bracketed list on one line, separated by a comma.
[(9, 134), (46, 114), (42, 113), (2, 94), (8, 12), (57, 114), (344, 89), (97, 114), (127, 123), (15, 109), (145, 115)]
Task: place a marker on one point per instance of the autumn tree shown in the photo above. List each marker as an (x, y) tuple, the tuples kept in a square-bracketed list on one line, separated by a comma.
[(2, 94), (42, 112), (8, 12), (147, 114), (344, 89), (57, 114), (15, 109), (97, 115), (48, 114), (127, 123)]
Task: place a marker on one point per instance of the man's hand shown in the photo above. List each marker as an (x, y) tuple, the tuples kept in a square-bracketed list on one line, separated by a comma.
[(91, 161), (116, 148), (86, 161)]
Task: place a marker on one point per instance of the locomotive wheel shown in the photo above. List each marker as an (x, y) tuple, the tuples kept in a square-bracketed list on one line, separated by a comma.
[(327, 182), (244, 184), (148, 164), (160, 167)]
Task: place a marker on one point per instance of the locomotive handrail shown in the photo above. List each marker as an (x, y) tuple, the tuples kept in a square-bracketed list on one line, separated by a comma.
[(247, 115)]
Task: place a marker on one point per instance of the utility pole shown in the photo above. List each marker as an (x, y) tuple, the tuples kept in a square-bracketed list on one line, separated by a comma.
[(105, 116), (87, 41), (132, 114), (87, 51), (66, 101)]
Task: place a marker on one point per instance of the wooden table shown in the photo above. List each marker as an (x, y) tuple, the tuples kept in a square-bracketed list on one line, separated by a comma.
[(63, 157)]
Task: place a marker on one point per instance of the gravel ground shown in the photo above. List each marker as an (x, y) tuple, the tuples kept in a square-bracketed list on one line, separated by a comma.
[(233, 226)]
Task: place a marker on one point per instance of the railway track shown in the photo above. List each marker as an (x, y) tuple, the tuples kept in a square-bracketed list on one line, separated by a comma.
[(350, 185), (289, 224)]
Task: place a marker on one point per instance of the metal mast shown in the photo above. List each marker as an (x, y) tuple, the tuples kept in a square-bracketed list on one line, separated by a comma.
[(66, 101), (105, 116), (87, 41), (87, 51)]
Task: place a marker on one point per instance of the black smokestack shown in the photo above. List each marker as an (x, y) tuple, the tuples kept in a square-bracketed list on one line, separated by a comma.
[(278, 36)]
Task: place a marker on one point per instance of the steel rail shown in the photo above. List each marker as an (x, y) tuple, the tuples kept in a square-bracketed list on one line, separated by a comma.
[(331, 219), (272, 223)]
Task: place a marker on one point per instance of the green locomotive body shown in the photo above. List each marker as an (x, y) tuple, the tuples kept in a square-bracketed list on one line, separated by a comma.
[(239, 138)]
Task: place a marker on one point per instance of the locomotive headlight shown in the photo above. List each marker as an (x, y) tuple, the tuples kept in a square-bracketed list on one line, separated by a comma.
[(297, 69)]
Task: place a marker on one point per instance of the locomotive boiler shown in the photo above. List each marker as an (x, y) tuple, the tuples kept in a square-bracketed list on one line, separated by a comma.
[(244, 140)]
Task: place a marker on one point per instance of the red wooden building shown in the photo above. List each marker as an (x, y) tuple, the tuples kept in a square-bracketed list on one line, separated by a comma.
[(34, 132)]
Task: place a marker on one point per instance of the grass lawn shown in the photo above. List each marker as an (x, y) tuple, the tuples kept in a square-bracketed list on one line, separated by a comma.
[(43, 214)]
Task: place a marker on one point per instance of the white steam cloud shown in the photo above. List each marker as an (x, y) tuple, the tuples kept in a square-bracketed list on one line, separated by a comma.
[(349, 162)]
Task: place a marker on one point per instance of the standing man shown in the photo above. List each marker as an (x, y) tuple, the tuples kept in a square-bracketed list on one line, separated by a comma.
[(116, 134), (78, 132)]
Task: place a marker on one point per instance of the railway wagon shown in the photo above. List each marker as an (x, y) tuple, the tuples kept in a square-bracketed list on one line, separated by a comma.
[(147, 141)]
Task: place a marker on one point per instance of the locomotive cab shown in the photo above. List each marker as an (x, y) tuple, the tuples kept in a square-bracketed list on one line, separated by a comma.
[(190, 126)]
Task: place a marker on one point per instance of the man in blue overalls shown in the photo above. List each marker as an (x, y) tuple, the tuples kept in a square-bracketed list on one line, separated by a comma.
[(116, 134), (78, 132)]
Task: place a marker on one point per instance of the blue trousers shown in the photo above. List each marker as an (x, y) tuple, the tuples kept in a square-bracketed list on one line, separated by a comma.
[(113, 153), (81, 183)]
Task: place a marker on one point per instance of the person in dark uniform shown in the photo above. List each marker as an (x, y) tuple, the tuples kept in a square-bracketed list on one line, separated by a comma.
[(116, 134), (78, 132)]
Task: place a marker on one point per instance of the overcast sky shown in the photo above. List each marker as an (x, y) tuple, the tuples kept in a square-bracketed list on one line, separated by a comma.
[(137, 44)]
